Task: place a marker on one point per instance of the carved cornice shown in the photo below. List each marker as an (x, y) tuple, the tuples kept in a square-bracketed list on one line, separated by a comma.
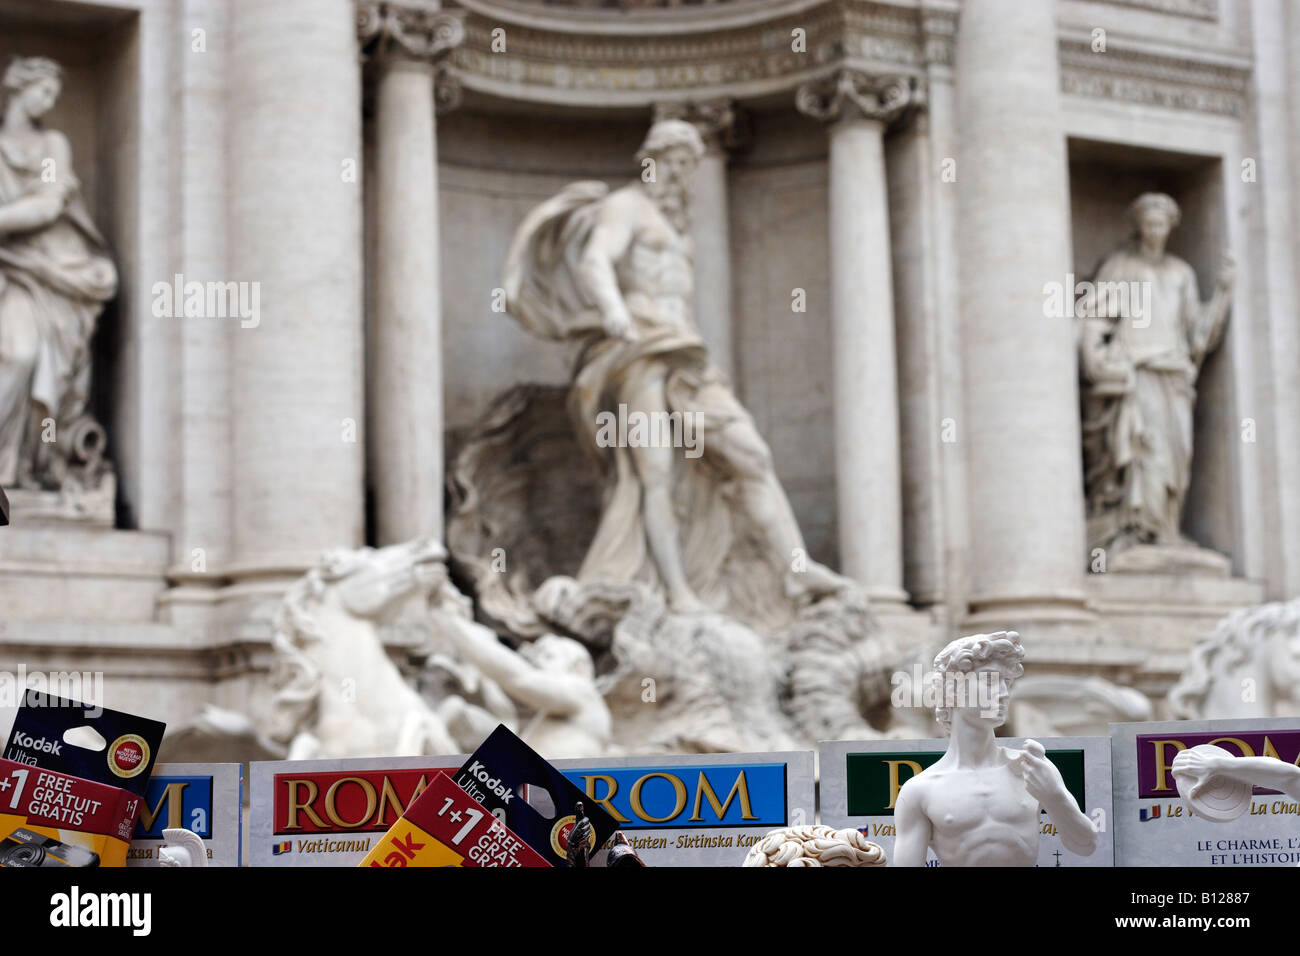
[(412, 29), (1200, 9), (939, 35), (850, 93), (762, 58), (1154, 79), (538, 53)]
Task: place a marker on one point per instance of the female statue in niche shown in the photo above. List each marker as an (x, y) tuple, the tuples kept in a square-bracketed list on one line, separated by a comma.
[(1143, 339), (55, 276)]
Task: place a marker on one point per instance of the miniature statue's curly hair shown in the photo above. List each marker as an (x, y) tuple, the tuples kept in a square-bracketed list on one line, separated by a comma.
[(978, 651)]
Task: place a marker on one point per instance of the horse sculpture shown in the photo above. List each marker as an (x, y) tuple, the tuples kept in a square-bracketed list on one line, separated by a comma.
[(1248, 667), (337, 693)]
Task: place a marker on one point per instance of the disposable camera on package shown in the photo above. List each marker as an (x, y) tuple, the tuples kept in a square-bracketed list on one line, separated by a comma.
[(71, 799)]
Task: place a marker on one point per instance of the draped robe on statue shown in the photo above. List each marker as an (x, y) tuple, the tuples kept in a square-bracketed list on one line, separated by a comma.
[(53, 283), (1138, 440), (723, 553)]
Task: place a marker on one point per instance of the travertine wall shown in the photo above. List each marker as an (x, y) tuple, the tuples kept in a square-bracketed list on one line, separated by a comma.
[(491, 174), (780, 243)]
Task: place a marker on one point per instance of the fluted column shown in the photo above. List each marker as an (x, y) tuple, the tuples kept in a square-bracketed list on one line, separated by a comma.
[(202, 538), (858, 108), (404, 381), (295, 228), (710, 223), (1020, 428), (1277, 70)]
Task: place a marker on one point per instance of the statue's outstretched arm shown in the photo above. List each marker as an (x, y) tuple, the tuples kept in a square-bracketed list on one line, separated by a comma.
[(520, 679), (1266, 772)]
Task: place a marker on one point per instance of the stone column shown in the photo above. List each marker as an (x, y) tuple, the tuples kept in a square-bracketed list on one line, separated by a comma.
[(404, 380), (1020, 427), (710, 223), (867, 473), (203, 530), (295, 231)]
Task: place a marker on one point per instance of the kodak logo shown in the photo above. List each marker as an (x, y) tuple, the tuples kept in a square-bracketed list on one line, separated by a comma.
[(27, 742), (404, 850), (479, 773)]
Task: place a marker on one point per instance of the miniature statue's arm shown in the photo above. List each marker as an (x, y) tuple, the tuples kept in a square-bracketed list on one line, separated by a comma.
[(914, 829), (1268, 772), (39, 208), (608, 242), (551, 693), (1077, 831), (1045, 784)]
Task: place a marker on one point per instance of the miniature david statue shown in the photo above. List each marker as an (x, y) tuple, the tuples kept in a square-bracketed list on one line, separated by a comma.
[(979, 805)]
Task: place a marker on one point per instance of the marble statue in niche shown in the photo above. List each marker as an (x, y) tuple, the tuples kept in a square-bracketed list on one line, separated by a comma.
[(55, 277), (693, 506), (1144, 335)]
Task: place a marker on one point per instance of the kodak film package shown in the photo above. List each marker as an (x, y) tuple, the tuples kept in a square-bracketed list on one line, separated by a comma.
[(72, 799), (332, 812), (446, 827), (207, 798), (499, 774)]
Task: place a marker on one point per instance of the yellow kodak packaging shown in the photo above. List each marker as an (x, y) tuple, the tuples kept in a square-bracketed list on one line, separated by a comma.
[(72, 780), (445, 826), (49, 818)]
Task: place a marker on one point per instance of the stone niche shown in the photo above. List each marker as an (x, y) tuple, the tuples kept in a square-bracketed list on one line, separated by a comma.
[(56, 570), (97, 111), (1160, 610), (492, 170), (494, 167)]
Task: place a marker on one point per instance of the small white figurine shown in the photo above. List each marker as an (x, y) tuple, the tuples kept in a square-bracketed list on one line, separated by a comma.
[(815, 845), (1218, 784), (183, 848), (979, 805)]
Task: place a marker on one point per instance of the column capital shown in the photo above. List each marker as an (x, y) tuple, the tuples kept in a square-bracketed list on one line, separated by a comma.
[(722, 122), (849, 94), (417, 30)]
